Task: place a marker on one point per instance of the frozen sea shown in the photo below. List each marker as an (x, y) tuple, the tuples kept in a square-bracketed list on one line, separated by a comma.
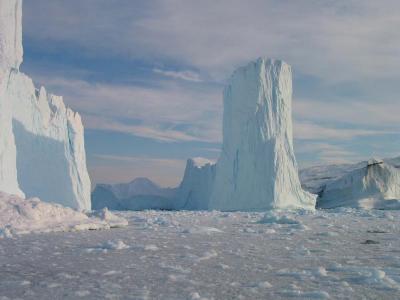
[(333, 254)]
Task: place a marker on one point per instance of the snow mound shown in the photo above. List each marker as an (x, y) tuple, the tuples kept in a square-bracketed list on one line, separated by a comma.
[(375, 185), (257, 169), (112, 219), (23, 216), (202, 230), (115, 245)]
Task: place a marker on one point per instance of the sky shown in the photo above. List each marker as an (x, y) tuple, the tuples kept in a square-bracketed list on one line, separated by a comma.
[(147, 76)]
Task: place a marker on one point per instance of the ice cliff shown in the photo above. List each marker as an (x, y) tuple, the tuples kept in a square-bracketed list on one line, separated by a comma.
[(375, 184), (42, 151), (257, 169), (10, 59)]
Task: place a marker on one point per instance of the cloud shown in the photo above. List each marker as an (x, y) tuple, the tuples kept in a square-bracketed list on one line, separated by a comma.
[(311, 131), (349, 49), (336, 40), (183, 75), (168, 112), (164, 135), (377, 114), (325, 153)]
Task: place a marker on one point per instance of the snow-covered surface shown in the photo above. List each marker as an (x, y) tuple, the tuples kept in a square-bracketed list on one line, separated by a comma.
[(195, 190), (42, 148), (374, 185), (257, 169), (138, 194), (23, 216), (333, 254)]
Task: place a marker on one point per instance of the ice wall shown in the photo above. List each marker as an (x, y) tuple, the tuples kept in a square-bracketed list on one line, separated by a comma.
[(10, 60), (257, 169), (41, 142)]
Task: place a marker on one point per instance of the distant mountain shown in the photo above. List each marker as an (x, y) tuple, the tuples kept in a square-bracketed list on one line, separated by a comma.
[(139, 187), (141, 193)]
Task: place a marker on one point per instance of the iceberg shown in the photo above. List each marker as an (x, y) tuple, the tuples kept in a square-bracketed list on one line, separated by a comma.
[(42, 152), (375, 185), (10, 59), (314, 179), (195, 190), (257, 169)]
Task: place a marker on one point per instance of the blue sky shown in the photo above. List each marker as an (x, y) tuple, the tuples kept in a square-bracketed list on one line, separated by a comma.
[(147, 76)]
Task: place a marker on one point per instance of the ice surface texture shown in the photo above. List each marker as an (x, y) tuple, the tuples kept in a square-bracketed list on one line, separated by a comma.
[(257, 169), (212, 255), (42, 148)]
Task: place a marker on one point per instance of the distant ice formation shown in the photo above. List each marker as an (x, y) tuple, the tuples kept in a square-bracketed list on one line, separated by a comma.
[(197, 184), (375, 184), (42, 152)]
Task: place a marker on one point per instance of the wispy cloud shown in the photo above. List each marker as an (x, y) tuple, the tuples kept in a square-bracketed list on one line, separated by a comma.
[(336, 40), (168, 112), (311, 131), (325, 153), (379, 113), (149, 131), (183, 75)]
